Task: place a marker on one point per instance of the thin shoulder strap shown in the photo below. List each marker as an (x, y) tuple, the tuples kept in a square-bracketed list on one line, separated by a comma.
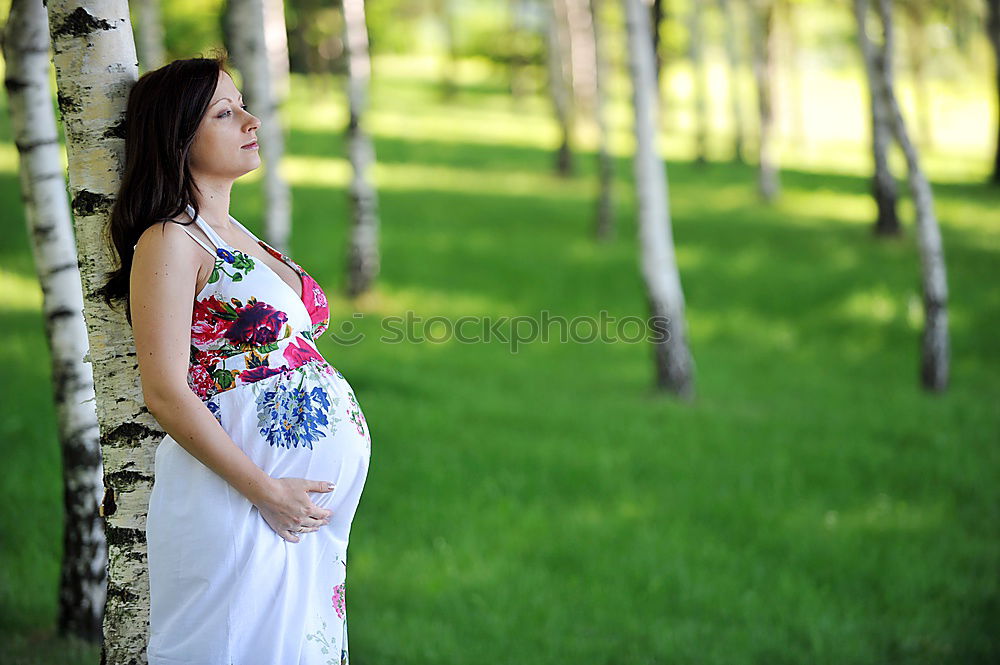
[(197, 239), (207, 228), (193, 237), (248, 231)]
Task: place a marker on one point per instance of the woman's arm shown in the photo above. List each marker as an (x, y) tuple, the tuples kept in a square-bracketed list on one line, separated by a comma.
[(165, 272)]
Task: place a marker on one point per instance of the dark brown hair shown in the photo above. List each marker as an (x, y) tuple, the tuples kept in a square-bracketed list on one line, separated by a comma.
[(164, 110)]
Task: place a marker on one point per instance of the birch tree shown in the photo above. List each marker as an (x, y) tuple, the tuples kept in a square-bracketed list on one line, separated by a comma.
[(935, 351), (276, 42), (883, 183), (582, 59), (95, 62), (363, 245), (248, 46), (83, 577), (673, 362), (993, 30), (762, 37), (735, 60), (560, 83), (605, 164), (150, 44), (444, 11), (700, 80)]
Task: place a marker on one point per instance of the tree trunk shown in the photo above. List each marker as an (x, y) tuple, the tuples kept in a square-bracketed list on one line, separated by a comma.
[(935, 355), (735, 60), (363, 247), (560, 84), (248, 47), (605, 164), (276, 39), (94, 57), (517, 76), (580, 30), (444, 11), (917, 49), (762, 25), (993, 28), (151, 52), (83, 579), (673, 362), (883, 184), (700, 80), (655, 23), (792, 55)]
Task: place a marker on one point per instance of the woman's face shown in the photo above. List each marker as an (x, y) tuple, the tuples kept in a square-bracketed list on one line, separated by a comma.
[(217, 150)]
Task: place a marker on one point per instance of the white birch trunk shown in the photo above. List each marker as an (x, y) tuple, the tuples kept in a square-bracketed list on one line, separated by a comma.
[(762, 26), (560, 83), (276, 38), (363, 259), (605, 163), (445, 15), (674, 364), (517, 76), (582, 59), (993, 30), (792, 56), (917, 50), (935, 345), (151, 51), (249, 50), (94, 57), (883, 183), (83, 579), (700, 80), (733, 39)]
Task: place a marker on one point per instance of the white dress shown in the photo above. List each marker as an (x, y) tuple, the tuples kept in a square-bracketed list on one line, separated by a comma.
[(225, 589)]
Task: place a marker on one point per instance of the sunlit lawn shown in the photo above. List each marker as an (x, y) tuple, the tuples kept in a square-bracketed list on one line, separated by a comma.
[(545, 506)]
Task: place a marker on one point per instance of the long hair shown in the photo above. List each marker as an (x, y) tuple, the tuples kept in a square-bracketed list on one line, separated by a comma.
[(164, 110)]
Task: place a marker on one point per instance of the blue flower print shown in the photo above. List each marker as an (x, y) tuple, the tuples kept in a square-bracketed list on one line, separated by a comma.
[(214, 408), (225, 255), (290, 416)]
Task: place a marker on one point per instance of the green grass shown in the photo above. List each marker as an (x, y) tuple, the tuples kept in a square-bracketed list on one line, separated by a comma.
[(813, 505)]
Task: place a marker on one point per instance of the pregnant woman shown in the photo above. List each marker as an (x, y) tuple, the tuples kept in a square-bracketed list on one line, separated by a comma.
[(267, 450)]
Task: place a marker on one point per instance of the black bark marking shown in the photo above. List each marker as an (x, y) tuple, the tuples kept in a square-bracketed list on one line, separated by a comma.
[(125, 538), (80, 23), (14, 85), (124, 477), (128, 435), (67, 105), (87, 203), (108, 505), (115, 131)]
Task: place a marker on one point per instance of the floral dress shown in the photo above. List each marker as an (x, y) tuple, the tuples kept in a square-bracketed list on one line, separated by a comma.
[(225, 589)]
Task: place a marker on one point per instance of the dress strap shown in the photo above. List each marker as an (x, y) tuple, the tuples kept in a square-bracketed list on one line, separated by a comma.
[(248, 231), (207, 228), (197, 240)]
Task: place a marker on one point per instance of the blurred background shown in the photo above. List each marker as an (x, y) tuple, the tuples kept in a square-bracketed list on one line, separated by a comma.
[(809, 500)]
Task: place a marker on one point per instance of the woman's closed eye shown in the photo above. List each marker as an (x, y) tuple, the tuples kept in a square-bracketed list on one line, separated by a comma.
[(229, 112)]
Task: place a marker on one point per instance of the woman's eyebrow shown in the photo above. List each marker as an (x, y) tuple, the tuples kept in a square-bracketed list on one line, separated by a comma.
[(225, 99)]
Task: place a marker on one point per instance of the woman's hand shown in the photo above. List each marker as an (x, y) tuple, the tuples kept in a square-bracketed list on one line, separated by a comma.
[(288, 509)]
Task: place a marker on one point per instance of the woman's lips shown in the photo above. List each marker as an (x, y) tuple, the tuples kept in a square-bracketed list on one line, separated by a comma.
[(251, 146)]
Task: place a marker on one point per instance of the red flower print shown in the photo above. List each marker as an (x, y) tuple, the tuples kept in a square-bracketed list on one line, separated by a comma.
[(315, 300), (297, 355), (257, 323), (200, 381), (207, 324), (258, 373)]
